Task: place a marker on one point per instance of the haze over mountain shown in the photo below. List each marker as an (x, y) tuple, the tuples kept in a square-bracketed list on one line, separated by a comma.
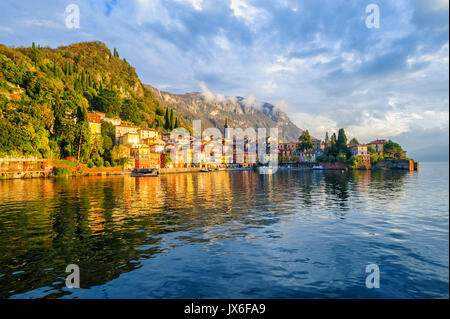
[(241, 112)]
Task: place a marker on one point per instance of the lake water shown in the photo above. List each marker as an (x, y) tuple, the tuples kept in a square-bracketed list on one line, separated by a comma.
[(295, 234)]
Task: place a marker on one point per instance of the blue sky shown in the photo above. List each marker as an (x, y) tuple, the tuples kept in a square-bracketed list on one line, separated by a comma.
[(316, 60)]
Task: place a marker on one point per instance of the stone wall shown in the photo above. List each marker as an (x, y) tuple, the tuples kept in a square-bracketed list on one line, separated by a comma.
[(396, 164)]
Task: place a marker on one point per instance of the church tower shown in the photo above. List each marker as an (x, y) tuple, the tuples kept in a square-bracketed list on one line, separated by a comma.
[(227, 129)]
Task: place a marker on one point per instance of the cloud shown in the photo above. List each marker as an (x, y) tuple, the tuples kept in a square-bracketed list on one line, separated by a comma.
[(250, 14), (327, 69), (196, 4)]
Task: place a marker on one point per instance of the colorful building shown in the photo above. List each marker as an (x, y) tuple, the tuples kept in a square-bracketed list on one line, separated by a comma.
[(114, 121), (144, 158), (130, 139), (124, 129), (148, 133), (95, 123), (287, 151), (361, 152), (316, 143), (376, 146)]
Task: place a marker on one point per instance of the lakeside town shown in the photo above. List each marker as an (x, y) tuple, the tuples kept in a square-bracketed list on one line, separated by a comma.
[(138, 148)]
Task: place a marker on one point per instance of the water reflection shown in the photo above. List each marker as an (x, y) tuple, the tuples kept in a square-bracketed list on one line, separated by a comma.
[(109, 225)]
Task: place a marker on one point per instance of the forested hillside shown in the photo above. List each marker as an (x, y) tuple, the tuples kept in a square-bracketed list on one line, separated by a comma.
[(45, 95)]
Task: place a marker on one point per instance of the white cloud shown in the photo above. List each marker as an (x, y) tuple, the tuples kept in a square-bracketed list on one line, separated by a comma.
[(197, 4), (152, 11), (250, 100), (250, 14), (206, 92), (210, 96), (283, 106)]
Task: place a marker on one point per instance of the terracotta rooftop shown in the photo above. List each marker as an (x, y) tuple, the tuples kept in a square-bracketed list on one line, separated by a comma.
[(378, 142)]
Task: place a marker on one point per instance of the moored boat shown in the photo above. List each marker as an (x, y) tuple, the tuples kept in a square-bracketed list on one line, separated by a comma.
[(144, 172), (265, 170)]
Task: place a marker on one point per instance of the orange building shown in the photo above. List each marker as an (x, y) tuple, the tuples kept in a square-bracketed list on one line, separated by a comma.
[(143, 158), (95, 121)]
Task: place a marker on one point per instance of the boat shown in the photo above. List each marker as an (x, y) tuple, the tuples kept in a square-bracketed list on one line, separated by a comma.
[(317, 167), (265, 170), (144, 172), (205, 170)]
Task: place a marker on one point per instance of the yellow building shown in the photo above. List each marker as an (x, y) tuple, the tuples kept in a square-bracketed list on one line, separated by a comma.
[(96, 128), (376, 146), (148, 133), (129, 139), (124, 129)]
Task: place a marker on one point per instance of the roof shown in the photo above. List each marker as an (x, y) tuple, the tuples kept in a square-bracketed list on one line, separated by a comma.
[(378, 142), (127, 125)]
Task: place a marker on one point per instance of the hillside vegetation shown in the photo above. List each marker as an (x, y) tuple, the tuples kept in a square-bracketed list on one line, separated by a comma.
[(45, 95)]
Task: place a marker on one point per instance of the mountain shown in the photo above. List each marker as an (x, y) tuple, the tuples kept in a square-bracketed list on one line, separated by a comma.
[(42, 91), (46, 94), (241, 112)]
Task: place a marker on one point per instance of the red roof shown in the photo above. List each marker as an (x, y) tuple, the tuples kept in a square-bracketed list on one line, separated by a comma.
[(94, 118), (378, 142)]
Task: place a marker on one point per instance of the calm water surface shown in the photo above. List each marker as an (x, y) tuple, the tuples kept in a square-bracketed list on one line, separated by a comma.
[(228, 235)]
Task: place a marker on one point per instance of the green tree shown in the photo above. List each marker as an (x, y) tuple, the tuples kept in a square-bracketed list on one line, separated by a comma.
[(82, 139), (305, 141), (108, 101), (333, 139), (327, 140), (393, 150), (119, 152), (167, 120), (353, 142), (341, 142), (130, 112)]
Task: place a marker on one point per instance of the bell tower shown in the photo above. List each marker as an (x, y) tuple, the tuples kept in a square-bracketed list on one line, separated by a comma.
[(226, 129)]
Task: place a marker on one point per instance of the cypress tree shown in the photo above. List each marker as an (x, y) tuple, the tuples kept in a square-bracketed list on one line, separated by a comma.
[(171, 120), (166, 119)]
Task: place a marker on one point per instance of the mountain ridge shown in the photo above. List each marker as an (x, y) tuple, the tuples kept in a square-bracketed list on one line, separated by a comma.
[(240, 112)]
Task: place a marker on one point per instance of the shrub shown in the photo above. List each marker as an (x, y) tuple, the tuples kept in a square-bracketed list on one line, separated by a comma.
[(341, 158), (98, 161), (63, 171), (90, 164), (107, 164)]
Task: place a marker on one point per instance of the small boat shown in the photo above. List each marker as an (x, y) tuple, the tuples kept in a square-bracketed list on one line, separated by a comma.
[(204, 170), (265, 170), (144, 172), (317, 167)]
